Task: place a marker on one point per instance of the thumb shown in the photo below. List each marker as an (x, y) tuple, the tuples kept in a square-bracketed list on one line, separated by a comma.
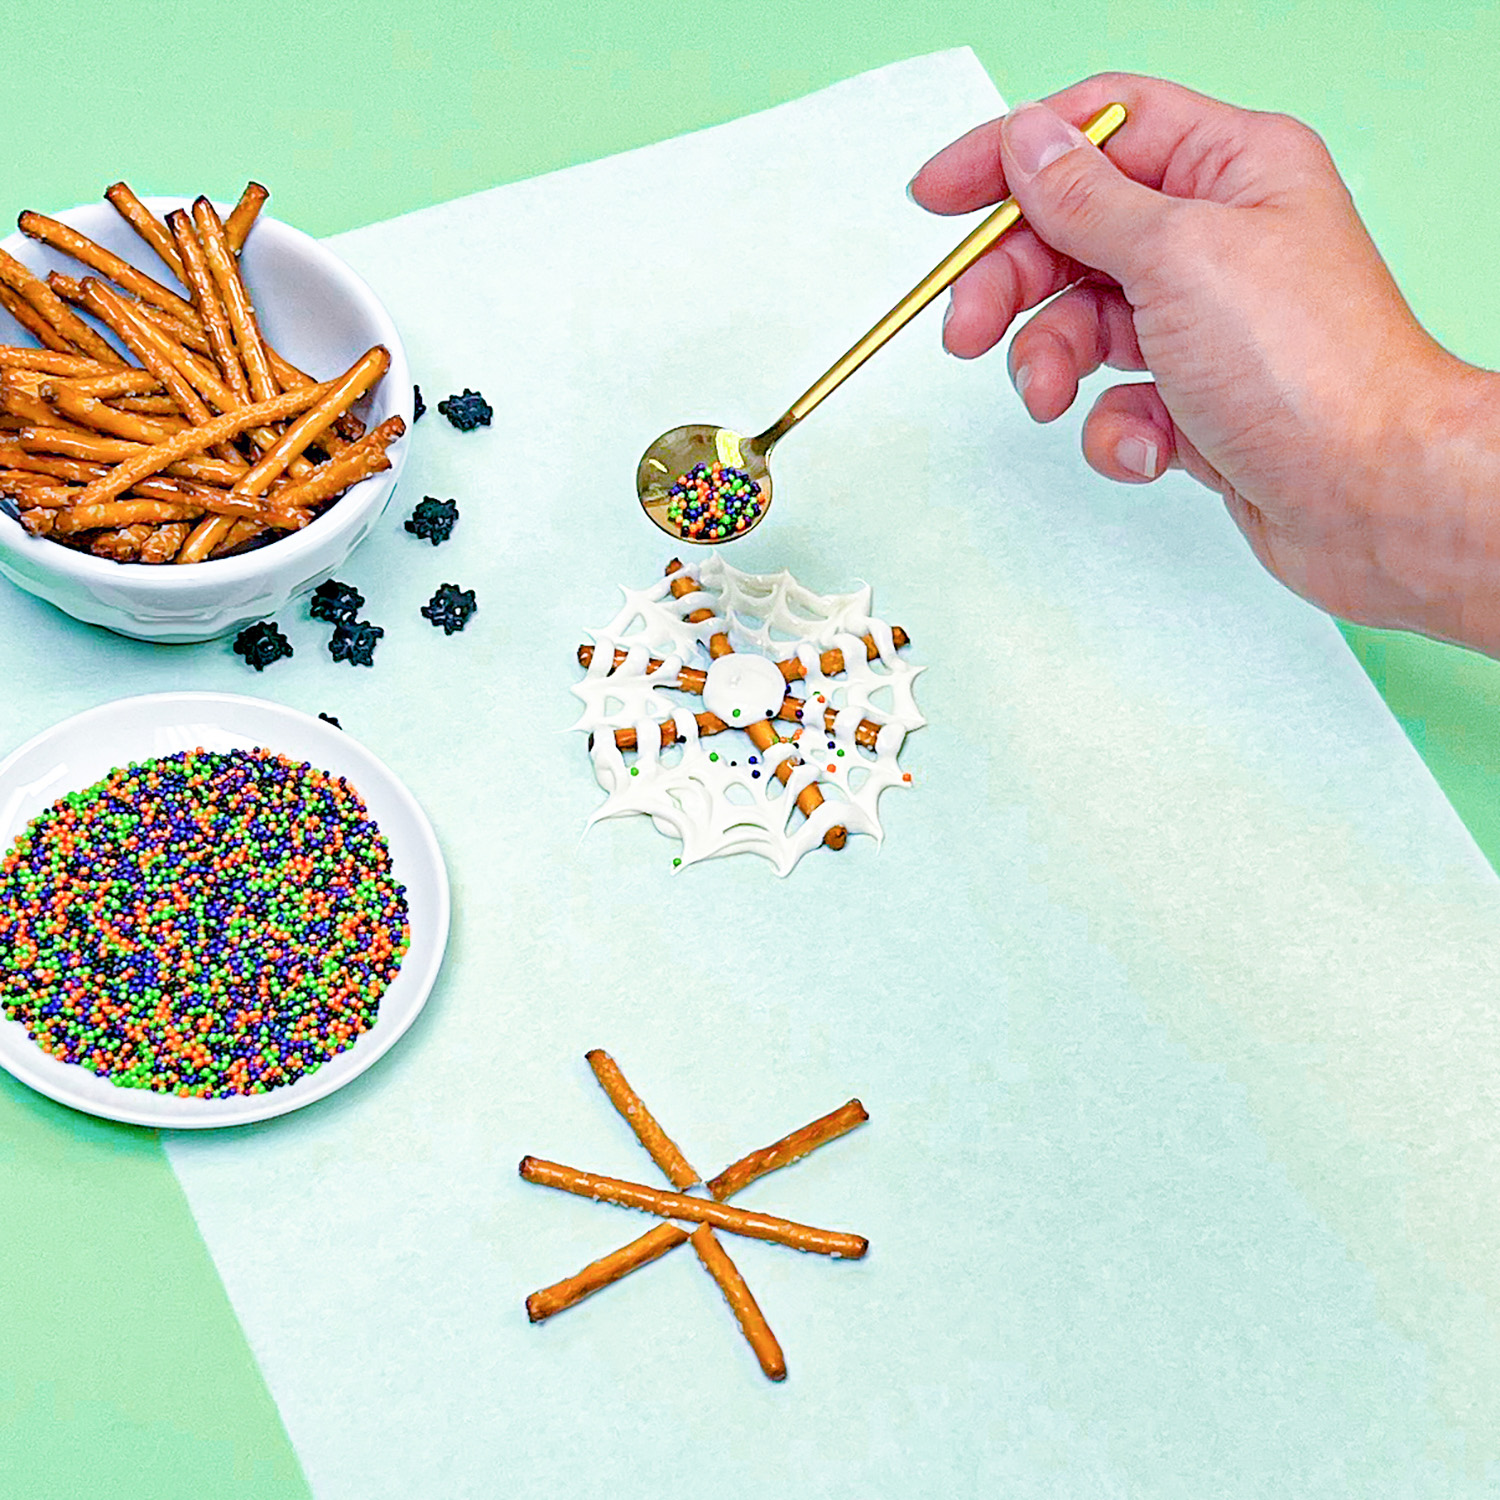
[(1076, 199)]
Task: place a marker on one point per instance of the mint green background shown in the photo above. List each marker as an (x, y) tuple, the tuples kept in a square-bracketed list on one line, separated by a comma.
[(140, 1384)]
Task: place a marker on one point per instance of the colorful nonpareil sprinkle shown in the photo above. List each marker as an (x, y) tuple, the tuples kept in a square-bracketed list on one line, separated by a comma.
[(712, 502), (208, 924)]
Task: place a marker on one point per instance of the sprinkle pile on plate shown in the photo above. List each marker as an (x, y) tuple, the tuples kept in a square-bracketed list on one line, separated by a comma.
[(208, 924)]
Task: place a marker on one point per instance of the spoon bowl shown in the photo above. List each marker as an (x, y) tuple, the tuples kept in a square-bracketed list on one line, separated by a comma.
[(707, 484), (723, 463)]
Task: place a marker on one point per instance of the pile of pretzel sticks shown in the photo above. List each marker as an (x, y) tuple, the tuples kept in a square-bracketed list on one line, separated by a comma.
[(194, 439)]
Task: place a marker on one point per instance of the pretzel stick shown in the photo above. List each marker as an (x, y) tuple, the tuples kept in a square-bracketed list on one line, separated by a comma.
[(39, 496), (199, 280), (790, 1148), (23, 400), (194, 336), (289, 377), (238, 225), (147, 342), (123, 545), (113, 383), (147, 225), (89, 411), (599, 1274), (358, 461), (146, 406), (47, 361), (42, 464), (21, 280), (78, 442), (80, 248), (185, 444), (204, 537), (699, 1210), (23, 479), (659, 1145), (336, 397), (832, 661), (38, 522), (237, 305), (241, 532), (677, 1170), (33, 322), (161, 546), (90, 517), (741, 1302)]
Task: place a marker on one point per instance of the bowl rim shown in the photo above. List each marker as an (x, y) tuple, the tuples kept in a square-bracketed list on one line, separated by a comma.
[(86, 569)]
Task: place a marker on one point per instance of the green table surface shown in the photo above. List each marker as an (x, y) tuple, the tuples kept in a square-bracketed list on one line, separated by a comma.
[(122, 1370)]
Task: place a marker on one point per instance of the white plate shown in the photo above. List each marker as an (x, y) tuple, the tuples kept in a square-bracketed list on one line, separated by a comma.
[(84, 749)]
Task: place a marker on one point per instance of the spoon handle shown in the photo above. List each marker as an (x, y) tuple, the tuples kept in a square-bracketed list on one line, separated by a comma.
[(943, 275)]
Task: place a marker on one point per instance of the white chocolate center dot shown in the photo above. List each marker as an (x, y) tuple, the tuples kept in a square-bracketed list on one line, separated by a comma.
[(742, 688)]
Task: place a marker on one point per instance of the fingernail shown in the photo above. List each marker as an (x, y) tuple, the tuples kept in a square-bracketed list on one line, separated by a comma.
[(910, 186), (1137, 456), (1021, 378), (1036, 138), (947, 319)]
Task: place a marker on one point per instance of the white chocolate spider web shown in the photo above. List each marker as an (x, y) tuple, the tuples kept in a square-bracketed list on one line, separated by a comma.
[(719, 795)]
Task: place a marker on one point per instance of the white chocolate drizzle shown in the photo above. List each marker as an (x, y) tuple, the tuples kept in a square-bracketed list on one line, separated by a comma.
[(719, 794)]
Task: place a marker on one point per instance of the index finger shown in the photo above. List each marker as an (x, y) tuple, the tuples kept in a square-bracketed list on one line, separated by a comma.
[(1166, 123)]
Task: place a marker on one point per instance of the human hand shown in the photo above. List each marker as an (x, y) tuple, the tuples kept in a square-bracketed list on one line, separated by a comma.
[(1219, 250)]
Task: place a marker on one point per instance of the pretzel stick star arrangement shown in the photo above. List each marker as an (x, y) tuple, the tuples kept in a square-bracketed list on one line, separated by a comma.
[(668, 1236), (211, 442)]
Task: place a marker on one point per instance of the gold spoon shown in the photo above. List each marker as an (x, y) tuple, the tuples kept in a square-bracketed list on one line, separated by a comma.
[(676, 453)]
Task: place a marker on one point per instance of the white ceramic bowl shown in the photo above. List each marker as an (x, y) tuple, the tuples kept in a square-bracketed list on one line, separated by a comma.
[(319, 315), (84, 749)]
